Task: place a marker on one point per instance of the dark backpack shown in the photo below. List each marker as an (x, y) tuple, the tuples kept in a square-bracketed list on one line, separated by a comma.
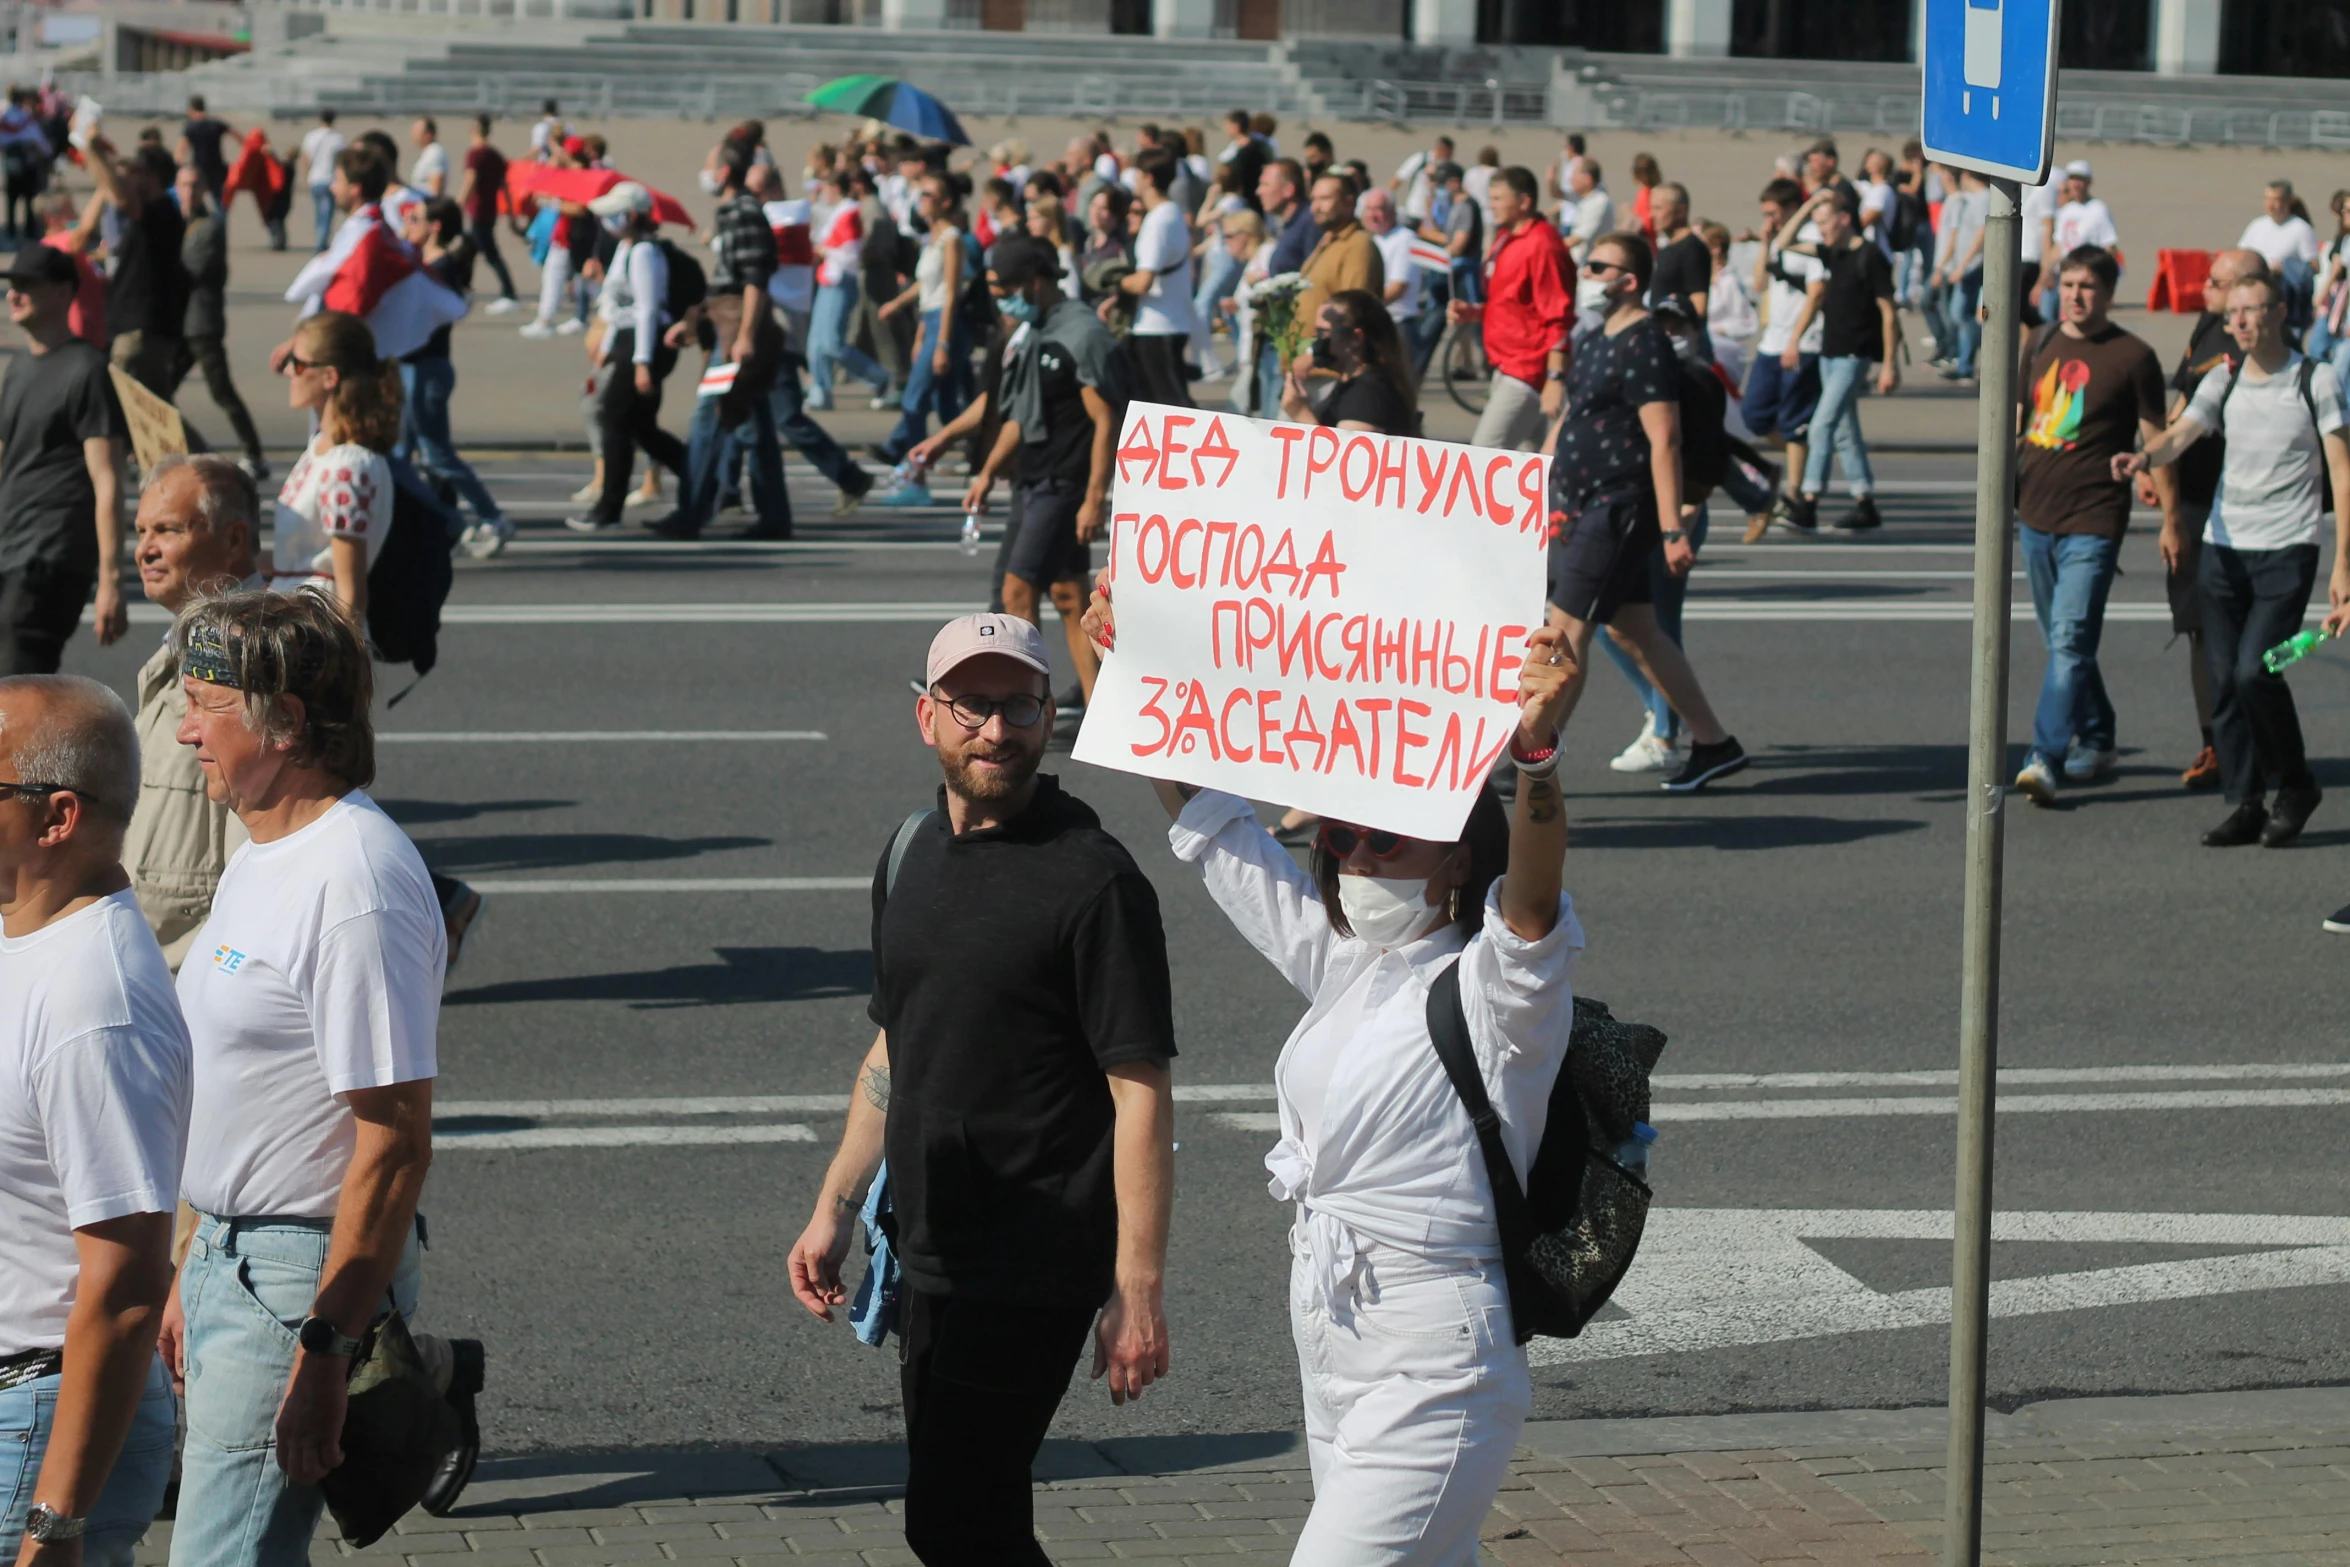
[(689, 285), (1568, 1233), (408, 579), (2325, 487)]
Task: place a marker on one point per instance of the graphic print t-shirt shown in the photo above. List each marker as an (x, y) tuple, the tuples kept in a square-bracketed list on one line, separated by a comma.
[(2083, 398)]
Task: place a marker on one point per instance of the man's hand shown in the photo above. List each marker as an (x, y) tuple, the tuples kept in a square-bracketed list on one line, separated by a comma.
[(51, 1553), (817, 1255), (1680, 555), (112, 617), (975, 494), (1089, 519), (2338, 594), (1462, 310), (679, 335), (744, 340), (171, 1342), (1791, 357), (310, 1419), (925, 452), (2173, 547), (1130, 1341), (2128, 465), (888, 308), (644, 380), (938, 358), (1888, 377), (2146, 495), (1554, 398)]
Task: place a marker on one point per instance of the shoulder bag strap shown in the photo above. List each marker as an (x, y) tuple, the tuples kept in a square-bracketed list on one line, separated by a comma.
[(1448, 1027), (899, 845)]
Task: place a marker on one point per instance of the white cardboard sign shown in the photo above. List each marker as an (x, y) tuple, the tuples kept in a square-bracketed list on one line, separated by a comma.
[(1328, 619)]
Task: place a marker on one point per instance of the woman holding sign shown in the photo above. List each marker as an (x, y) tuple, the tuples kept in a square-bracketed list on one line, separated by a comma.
[(1415, 1383)]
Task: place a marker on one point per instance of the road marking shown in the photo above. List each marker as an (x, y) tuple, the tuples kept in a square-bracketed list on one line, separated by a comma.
[(633, 884), (534, 1137), (595, 546), (2240, 1071), (1249, 1120), (753, 1104), (586, 736), (1714, 1278), (2008, 1104)]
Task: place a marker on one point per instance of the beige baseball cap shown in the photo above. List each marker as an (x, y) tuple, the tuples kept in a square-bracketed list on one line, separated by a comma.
[(971, 636)]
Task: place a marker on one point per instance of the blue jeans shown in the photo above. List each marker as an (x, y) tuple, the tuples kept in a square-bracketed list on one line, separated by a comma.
[(1835, 425), (2071, 574), (787, 406), (1965, 333), (322, 203), (707, 448), (134, 1491), (828, 344), (424, 432), (245, 1288), (925, 387), (1670, 593), (1219, 276)]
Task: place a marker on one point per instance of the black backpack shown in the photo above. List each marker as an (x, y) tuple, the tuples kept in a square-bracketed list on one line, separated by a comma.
[(689, 285), (1568, 1233), (408, 579)]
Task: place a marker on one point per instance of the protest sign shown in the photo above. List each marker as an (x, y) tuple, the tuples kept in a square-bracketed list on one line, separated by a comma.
[(156, 428), (1329, 619)]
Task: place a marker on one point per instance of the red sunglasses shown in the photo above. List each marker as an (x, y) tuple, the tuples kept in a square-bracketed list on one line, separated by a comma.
[(1341, 840)]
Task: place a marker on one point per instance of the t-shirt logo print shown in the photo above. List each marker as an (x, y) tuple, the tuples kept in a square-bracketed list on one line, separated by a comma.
[(227, 959), (2056, 405)]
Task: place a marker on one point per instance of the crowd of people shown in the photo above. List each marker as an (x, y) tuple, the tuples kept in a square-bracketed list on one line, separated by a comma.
[(277, 1092)]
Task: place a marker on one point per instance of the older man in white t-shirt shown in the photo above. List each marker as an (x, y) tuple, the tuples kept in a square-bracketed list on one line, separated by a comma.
[(94, 1088), (1402, 288), (313, 1002)]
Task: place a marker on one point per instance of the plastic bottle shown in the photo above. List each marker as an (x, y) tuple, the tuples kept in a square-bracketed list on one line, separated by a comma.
[(1632, 1152), (970, 533), (2292, 651)]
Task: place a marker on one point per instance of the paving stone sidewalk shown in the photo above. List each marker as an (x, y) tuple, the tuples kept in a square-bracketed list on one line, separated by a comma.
[(2249, 1479)]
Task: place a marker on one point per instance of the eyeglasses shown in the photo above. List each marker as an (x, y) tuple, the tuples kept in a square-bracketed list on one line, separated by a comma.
[(296, 364), (1602, 268), (1342, 840), (973, 712), (42, 791)]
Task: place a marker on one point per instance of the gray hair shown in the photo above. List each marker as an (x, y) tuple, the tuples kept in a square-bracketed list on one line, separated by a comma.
[(83, 740), (225, 493), (266, 645)]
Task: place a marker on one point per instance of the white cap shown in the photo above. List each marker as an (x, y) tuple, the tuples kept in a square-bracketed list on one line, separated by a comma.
[(2078, 169), (627, 197)]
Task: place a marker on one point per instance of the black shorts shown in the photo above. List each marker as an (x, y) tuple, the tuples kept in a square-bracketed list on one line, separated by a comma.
[(1042, 548), (2186, 603), (1599, 561)]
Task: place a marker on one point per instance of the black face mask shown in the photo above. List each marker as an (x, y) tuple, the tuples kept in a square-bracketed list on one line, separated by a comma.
[(1324, 356)]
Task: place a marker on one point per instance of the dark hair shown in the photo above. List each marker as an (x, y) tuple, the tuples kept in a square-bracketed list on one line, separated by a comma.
[(481, 123), (1645, 170), (301, 645), (1237, 117), (1639, 260), (1120, 204), (1001, 189), (1383, 353), (326, 116), (366, 171), (156, 164), (547, 106), (1044, 182), (382, 145), (196, 102), (448, 218), (1487, 837), (1292, 171), (1521, 179), (432, 126), (2093, 258), (1782, 193), (1158, 167), (1321, 143)]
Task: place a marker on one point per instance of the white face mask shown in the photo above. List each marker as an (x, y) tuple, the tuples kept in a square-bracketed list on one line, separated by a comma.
[(1387, 912), (1591, 295)]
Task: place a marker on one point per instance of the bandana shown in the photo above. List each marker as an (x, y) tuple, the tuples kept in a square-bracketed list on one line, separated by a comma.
[(206, 658)]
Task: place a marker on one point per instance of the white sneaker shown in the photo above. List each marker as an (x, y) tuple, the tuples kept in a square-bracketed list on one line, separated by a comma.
[(883, 401), (485, 539), (502, 307), (638, 498), (587, 492), (2036, 783), (571, 328), (2082, 763), (537, 329), (1648, 754)]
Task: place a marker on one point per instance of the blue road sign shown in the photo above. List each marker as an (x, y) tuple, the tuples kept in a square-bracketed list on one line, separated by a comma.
[(1990, 93)]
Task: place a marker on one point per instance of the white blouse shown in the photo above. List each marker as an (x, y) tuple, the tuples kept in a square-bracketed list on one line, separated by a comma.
[(332, 492), (1373, 1138)]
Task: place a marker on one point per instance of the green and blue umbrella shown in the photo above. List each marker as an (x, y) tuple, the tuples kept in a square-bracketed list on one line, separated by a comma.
[(892, 102)]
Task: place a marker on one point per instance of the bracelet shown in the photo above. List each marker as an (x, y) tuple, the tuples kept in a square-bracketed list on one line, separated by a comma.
[(1545, 767), (1547, 757)]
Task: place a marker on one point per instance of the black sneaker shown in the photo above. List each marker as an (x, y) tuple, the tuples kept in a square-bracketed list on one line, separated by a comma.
[(465, 1381), (2289, 815), (763, 531), (2339, 921), (1862, 517), (675, 526), (2242, 827), (1794, 511), (1706, 763)]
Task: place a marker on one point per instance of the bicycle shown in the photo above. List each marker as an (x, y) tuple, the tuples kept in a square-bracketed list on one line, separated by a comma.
[(1460, 359)]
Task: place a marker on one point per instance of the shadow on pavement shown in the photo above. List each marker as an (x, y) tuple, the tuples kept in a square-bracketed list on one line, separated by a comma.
[(741, 975), (424, 813), (541, 851), (1728, 832), (1860, 769)]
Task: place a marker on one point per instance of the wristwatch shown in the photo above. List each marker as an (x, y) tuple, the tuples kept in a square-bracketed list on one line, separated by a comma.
[(1554, 375), (321, 1337), (1673, 535), (46, 1523)]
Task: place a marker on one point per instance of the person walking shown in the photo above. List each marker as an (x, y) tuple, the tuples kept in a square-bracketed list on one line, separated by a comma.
[(1684, 263), (1458, 224), (204, 339), (336, 502), (940, 375), (634, 358), (1958, 271), (1595, 210), (1414, 1378), (428, 176), (322, 145), (313, 1023), (1853, 296), (1345, 257), (1616, 477), (1026, 1049), (62, 447), (840, 252), (201, 137), (2286, 241), (199, 532), (2282, 415), (1527, 311), (146, 289), (2091, 393), (1161, 286), (428, 380), (479, 189)]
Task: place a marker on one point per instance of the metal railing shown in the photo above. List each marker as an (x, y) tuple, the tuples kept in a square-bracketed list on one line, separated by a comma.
[(1896, 114), (1492, 103)]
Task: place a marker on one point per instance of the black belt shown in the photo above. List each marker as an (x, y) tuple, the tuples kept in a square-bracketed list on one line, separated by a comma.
[(29, 1366)]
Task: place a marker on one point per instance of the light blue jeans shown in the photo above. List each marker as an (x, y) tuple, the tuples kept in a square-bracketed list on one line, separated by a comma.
[(2070, 575), (244, 1290), (925, 387), (828, 344), (424, 432), (133, 1492), (1835, 426), (322, 205), (1965, 332), (1669, 593)]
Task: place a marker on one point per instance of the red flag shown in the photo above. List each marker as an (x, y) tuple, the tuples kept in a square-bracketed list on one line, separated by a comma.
[(257, 171), (376, 264)]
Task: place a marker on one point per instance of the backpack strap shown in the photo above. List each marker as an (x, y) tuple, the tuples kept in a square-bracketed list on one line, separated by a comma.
[(2308, 377), (900, 844), (1448, 1028)]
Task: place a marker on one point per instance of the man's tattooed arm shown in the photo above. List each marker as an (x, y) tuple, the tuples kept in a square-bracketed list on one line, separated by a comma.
[(875, 1084)]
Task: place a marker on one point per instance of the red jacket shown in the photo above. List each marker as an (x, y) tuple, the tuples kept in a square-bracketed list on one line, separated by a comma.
[(1529, 300)]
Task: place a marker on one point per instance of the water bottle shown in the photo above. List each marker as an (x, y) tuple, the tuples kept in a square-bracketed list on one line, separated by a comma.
[(970, 533), (1632, 1153), (2286, 654)]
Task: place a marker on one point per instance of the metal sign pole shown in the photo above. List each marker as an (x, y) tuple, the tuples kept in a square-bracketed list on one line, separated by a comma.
[(1978, 996)]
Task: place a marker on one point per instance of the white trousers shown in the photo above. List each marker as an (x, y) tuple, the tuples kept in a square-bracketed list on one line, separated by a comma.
[(557, 272), (1512, 420), (1414, 1395)]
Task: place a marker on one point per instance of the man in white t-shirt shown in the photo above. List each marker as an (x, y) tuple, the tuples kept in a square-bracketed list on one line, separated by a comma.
[(1777, 402), (1595, 210), (1394, 240), (1412, 187), (430, 172), (2282, 418), (94, 1088), (2081, 219), (1161, 280), (313, 1001), (320, 146), (2281, 235)]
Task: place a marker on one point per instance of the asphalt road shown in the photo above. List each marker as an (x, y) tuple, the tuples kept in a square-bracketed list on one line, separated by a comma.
[(623, 1253)]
